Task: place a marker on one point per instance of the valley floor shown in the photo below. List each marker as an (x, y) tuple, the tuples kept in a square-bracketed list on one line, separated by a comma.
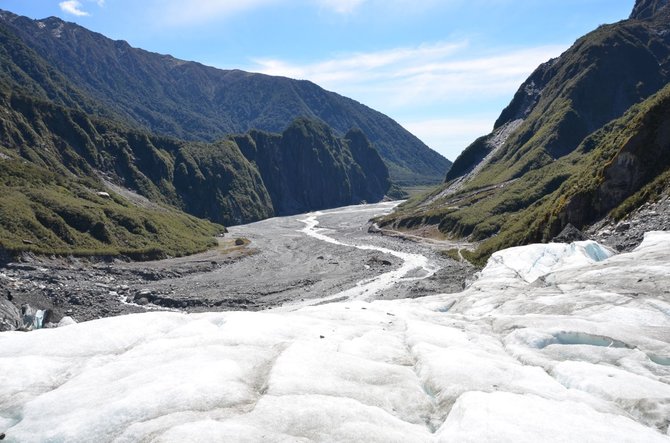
[(282, 265)]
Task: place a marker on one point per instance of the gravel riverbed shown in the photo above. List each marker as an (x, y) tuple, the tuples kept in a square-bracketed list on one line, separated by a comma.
[(280, 265)]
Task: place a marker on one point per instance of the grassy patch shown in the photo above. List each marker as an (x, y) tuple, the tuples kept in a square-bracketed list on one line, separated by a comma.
[(452, 254), (47, 213), (418, 191)]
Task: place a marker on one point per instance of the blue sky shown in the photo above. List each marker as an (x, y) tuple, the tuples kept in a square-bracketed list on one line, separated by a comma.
[(444, 69)]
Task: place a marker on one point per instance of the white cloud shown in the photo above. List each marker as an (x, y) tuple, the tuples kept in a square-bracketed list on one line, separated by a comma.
[(422, 75), (73, 7), (347, 71), (341, 6)]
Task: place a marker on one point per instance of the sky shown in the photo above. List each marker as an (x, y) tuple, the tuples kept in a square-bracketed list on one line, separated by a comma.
[(444, 69)]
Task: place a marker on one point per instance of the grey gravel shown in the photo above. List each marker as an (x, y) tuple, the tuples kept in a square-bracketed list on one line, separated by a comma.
[(280, 265)]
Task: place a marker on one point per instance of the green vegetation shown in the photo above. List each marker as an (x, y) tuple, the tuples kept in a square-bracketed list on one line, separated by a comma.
[(588, 86), (614, 171), (51, 213), (413, 191), (54, 161), (212, 181), (452, 254)]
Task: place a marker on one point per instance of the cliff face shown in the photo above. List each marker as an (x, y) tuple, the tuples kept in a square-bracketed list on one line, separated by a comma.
[(307, 167), (527, 180), (648, 9), (164, 95)]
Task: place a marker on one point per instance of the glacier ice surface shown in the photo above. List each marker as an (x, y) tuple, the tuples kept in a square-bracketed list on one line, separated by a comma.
[(551, 343)]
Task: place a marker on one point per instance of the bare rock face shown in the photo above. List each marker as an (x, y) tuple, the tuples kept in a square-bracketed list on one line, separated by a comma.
[(648, 9), (308, 167), (570, 234), (10, 317)]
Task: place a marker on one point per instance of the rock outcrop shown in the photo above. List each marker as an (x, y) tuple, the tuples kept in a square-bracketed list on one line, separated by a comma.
[(10, 316), (649, 9), (307, 167)]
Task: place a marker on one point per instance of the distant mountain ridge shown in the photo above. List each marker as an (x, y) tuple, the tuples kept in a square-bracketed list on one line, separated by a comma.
[(195, 102), (527, 180), (300, 165)]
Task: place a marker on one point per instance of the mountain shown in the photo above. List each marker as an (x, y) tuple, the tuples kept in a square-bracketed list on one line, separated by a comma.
[(194, 102), (307, 167), (567, 148), (648, 9), (76, 184), (77, 177), (66, 180)]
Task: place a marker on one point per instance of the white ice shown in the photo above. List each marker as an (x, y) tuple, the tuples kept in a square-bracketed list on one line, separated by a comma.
[(551, 343), (533, 261)]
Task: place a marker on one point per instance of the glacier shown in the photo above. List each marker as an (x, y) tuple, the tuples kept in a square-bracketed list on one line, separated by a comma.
[(550, 343)]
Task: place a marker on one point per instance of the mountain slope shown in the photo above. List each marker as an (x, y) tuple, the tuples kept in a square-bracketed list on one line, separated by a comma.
[(64, 180), (300, 167), (564, 100), (191, 101), (56, 161), (614, 171), (60, 148), (557, 123)]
